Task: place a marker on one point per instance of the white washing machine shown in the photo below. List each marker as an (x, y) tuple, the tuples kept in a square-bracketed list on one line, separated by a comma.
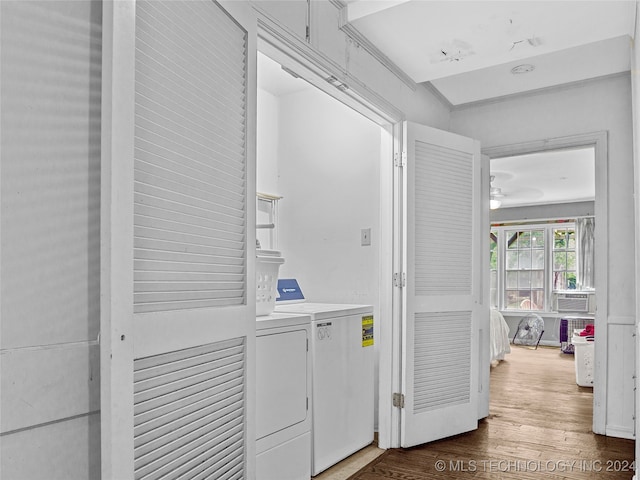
[(342, 358), (283, 389)]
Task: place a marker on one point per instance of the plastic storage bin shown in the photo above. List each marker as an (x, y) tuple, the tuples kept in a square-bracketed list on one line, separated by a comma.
[(267, 266), (583, 358)]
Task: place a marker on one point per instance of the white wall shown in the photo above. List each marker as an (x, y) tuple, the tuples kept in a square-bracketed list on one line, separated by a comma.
[(267, 141), (329, 178), (50, 200), (602, 105)]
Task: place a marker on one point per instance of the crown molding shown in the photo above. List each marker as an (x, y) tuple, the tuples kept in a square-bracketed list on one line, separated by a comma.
[(357, 37)]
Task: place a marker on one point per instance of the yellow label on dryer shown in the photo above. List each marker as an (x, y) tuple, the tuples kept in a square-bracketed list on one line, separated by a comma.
[(367, 330)]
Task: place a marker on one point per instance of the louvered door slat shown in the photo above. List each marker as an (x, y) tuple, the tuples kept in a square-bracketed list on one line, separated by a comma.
[(443, 342), (179, 420), (443, 235), (152, 88), (188, 409), (206, 131), (165, 209), (220, 177), (177, 236), (148, 217), (217, 45), (142, 266), (176, 46), (205, 260), (186, 444), (198, 171), (152, 411), (197, 190), (175, 147), (171, 361)]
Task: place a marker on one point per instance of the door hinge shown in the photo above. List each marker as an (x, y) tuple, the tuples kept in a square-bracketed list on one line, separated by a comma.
[(400, 159), (399, 280), (398, 400)]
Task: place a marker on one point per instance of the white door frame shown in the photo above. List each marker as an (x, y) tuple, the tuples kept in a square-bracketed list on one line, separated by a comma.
[(286, 49), (598, 140)]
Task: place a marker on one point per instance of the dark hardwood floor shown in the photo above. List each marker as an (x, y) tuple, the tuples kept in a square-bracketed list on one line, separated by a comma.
[(539, 427)]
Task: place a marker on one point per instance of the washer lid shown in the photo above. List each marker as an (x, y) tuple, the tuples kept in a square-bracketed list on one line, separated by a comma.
[(320, 311), (277, 320)]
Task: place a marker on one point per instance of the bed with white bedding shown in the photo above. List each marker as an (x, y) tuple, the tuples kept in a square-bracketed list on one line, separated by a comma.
[(499, 337)]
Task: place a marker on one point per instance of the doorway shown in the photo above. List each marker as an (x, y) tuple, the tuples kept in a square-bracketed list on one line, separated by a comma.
[(322, 159), (597, 143)]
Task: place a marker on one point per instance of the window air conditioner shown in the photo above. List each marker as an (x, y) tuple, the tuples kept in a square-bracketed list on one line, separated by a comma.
[(574, 301)]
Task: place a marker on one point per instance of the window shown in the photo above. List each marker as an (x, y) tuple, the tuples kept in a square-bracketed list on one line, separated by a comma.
[(564, 258), (527, 262), (493, 268), (524, 269)]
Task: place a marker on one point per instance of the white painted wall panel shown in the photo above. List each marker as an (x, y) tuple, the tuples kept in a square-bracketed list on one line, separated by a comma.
[(50, 114), (50, 234), (620, 372), (45, 384), (67, 450)]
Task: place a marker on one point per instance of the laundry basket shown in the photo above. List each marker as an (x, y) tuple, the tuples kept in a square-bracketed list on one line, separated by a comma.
[(267, 266), (584, 359)]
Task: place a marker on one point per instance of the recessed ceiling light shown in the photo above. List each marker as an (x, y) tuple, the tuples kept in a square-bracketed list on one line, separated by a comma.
[(524, 68)]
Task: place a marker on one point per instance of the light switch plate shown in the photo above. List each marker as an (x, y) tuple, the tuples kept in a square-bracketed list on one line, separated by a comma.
[(365, 237)]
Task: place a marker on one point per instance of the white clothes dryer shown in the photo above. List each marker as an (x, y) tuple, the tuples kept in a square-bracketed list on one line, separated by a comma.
[(283, 389)]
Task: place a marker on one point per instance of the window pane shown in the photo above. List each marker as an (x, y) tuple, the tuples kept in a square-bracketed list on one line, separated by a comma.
[(525, 300), (493, 297), (537, 259), (571, 260), (559, 280), (512, 239), (559, 260), (493, 250), (537, 239), (537, 279), (571, 280), (524, 280), (537, 299), (512, 279), (512, 260), (524, 261), (571, 242), (512, 299), (559, 239), (524, 240)]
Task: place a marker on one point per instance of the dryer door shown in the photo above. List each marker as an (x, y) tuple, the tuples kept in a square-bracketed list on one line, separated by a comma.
[(281, 375)]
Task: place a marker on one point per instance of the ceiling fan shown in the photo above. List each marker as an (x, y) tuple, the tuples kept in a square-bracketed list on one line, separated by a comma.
[(495, 195)]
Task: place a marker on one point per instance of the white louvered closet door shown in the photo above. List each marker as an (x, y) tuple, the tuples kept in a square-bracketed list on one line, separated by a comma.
[(178, 216), (443, 293)]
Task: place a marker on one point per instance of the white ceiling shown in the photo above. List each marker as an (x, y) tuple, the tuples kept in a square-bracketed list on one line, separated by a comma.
[(558, 176), (466, 49)]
